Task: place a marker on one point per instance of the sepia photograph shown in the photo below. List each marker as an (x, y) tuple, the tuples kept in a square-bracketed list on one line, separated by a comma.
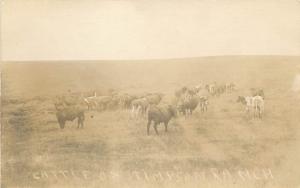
[(134, 94)]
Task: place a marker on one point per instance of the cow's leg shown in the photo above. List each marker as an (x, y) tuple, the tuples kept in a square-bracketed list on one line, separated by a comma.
[(62, 124), (143, 115), (132, 112), (82, 120), (247, 111), (260, 113), (166, 126), (257, 111), (148, 126), (146, 112), (155, 127), (82, 124), (139, 112), (78, 122)]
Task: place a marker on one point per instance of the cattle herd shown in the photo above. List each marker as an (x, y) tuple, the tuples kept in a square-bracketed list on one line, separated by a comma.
[(152, 106)]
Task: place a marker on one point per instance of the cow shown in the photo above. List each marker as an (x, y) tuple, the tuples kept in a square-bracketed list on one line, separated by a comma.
[(114, 103), (259, 106), (139, 107), (188, 106), (254, 104), (69, 113), (181, 91), (203, 103), (160, 114), (247, 101), (91, 101), (125, 100), (230, 87), (102, 102), (211, 88), (193, 91)]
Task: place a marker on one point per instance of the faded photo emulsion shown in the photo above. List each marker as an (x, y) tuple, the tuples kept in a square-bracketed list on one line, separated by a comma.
[(200, 93)]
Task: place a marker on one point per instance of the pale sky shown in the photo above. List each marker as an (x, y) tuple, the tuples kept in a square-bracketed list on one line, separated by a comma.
[(147, 29)]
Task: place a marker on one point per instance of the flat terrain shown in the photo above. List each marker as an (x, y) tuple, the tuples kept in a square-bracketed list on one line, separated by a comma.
[(219, 148)]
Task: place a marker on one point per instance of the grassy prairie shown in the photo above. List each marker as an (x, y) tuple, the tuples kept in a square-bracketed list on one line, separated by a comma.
[(214, 149)]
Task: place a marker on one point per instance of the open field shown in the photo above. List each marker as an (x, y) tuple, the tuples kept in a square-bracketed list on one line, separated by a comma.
[(219, 148)]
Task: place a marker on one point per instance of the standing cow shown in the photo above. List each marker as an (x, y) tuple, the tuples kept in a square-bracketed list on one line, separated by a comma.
[(188, 106), (69, 113), (160, 114)]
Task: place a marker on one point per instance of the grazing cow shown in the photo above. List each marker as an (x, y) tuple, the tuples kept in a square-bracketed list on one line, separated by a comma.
[(255, 104), (188, 106), (139, 107), (160, 114), (203, 102), (69, 113)]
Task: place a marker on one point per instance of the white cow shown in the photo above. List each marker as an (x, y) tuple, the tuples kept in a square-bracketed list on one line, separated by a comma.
[(255, 104)]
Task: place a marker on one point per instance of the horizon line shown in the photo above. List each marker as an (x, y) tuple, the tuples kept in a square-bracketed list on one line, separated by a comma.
[(137, 60)]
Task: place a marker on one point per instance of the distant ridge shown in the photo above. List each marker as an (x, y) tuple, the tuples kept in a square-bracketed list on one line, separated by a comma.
[(201, 58)]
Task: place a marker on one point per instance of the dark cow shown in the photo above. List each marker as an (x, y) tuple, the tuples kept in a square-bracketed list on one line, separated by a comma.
[(188, 106), (160, 114), (69, 113)]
